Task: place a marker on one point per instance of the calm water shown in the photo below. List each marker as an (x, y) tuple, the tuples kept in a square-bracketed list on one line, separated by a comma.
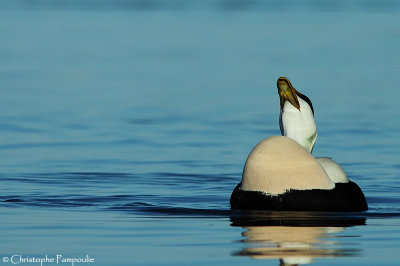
[(124, 127)]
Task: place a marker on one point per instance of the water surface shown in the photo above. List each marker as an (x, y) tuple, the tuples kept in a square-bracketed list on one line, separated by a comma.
[(125, 127)]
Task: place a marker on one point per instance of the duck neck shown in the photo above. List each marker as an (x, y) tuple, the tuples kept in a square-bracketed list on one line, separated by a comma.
[(298, 125)]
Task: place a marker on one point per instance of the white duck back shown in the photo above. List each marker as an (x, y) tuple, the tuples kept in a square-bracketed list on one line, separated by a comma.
[(278, 164)]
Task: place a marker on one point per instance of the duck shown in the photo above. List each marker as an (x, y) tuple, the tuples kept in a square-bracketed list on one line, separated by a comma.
[(296, 121), (280, 173)]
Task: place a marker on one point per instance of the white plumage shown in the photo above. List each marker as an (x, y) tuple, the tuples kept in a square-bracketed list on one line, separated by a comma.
[(278, 164), (335, 172), (297, 124)]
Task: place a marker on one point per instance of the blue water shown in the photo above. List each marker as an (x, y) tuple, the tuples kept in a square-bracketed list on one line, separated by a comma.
[(124, 127)]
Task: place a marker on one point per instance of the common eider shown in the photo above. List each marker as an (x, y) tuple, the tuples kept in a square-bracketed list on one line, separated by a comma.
[(280, 172)]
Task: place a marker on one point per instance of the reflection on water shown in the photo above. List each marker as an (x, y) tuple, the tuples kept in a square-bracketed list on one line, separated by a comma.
[(274, 235)]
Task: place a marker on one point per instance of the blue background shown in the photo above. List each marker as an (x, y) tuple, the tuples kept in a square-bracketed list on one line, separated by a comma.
[(124, 125)]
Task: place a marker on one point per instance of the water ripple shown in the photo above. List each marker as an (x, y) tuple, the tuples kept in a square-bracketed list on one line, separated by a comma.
[(218, 5)]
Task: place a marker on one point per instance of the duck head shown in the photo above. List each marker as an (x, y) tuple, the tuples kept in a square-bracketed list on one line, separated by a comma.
[(287, 92)]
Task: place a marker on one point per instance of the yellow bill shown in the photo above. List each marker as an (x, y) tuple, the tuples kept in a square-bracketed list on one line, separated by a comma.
[(287, 92)]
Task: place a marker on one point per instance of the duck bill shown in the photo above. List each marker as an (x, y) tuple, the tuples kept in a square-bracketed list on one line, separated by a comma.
[(289, 94)]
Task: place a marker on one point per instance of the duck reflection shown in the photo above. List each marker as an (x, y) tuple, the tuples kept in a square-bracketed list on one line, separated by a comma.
[(295, 237)]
